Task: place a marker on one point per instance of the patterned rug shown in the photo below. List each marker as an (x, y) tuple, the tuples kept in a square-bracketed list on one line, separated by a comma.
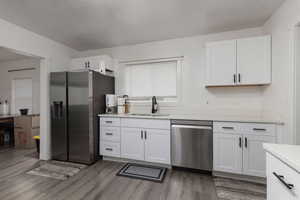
[(56, 169), (229, 189)]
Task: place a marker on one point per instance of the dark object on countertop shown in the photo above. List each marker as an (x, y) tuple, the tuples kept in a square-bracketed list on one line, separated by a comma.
[(24, 111), (154, 105)]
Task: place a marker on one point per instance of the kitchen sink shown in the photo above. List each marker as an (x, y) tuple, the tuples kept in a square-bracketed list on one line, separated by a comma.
[(149, 114)]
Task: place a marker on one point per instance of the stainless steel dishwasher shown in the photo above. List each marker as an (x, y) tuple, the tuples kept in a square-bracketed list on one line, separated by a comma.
[(192, 144)]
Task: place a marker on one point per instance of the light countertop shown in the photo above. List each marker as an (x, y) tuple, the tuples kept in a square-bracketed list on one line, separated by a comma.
[(289, 154), (15, 115), (242, 119)]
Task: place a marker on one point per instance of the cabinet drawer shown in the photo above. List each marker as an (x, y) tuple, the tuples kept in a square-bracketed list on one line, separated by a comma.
[(110, 149), (227, 127), (110, 134), (276, 188), (146, 123), (259, 129), (109, 121)]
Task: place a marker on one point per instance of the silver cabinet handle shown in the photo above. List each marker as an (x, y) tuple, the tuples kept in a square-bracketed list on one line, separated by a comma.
[(239, 77), (234, 78), (108, 122), (108, 149), (240, 142), (281, 179), (228, 127), (246, 142), (108, 134), (259, 129), (145, 135), (142, 137), (192, 127)]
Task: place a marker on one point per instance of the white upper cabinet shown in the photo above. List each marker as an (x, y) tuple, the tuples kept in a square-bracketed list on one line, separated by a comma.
[(254, 60), (221, 61), (244, 61)]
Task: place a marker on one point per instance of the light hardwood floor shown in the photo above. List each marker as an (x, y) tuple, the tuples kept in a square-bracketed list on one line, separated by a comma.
[(96, 182)]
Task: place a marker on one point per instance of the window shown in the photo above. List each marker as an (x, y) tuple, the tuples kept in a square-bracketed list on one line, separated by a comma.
[(21, 95), (159, 78)]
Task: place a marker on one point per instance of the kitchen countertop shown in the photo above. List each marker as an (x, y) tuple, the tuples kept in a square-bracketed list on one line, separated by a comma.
[(15, 115), (242, 119), (289, 154)]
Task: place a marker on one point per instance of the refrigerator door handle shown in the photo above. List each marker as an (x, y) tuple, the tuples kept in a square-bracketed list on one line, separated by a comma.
[(57, 109)]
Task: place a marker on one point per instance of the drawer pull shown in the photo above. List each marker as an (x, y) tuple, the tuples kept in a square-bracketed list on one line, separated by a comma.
[(259, 129), (108, 134), (108, 149), (227, 127), (281, 179), (240, 142), (108, 122)]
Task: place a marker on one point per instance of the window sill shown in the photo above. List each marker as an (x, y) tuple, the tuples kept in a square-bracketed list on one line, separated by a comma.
[(149, 103)]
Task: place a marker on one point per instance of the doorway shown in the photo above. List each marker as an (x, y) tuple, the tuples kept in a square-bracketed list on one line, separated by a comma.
[(19, 100)]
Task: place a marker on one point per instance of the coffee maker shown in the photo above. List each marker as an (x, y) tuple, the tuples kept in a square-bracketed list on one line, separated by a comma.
[(111, 103)]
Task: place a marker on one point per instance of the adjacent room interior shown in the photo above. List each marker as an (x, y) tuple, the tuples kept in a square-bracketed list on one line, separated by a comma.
[(19, 100)]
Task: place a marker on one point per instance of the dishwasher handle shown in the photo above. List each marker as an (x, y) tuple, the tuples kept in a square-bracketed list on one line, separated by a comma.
[(192, 127)]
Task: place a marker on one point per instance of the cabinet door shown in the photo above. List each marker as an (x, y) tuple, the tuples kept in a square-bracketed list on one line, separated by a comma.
[(132, 144), (254, 156), (221, 62), (228, 152), (254, 60), (157, 146)]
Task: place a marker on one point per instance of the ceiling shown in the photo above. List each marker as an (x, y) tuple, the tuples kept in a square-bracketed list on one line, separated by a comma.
[(92, 24), (8, 55)]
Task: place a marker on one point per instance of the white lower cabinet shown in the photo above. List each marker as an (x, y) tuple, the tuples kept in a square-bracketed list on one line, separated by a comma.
[(146, 144), (240, 151), (157, 146), (228, 153), (254, 158), (138, 139), (132, 145)]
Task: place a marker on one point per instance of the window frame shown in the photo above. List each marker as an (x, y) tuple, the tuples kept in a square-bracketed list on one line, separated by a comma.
[(162, 100)]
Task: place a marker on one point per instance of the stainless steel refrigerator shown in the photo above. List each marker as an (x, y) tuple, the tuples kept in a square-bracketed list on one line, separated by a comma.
[(76, 100)]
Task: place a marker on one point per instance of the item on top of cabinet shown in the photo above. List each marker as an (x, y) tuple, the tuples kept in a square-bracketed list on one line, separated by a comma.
[(111, 103), (24, 111), (6, 108)]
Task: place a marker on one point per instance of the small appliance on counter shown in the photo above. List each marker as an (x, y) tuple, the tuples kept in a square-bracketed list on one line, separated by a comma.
[(111, 103)]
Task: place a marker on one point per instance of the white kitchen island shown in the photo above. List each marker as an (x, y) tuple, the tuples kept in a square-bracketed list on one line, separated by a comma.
[(283, 171)]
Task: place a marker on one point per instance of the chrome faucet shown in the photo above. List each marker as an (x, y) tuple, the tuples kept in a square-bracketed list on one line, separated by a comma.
[(154, 105)]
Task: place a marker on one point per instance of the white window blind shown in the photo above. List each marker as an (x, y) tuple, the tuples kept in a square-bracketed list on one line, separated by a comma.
[(152, 79), (22, 95)]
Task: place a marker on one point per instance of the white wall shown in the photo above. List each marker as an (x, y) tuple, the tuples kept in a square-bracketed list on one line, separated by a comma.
[(297, 84), (55, 57), (278, 98), (6, 79), (196, 99)]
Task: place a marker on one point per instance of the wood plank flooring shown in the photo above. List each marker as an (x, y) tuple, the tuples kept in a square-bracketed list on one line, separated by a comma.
[(96, 182)]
